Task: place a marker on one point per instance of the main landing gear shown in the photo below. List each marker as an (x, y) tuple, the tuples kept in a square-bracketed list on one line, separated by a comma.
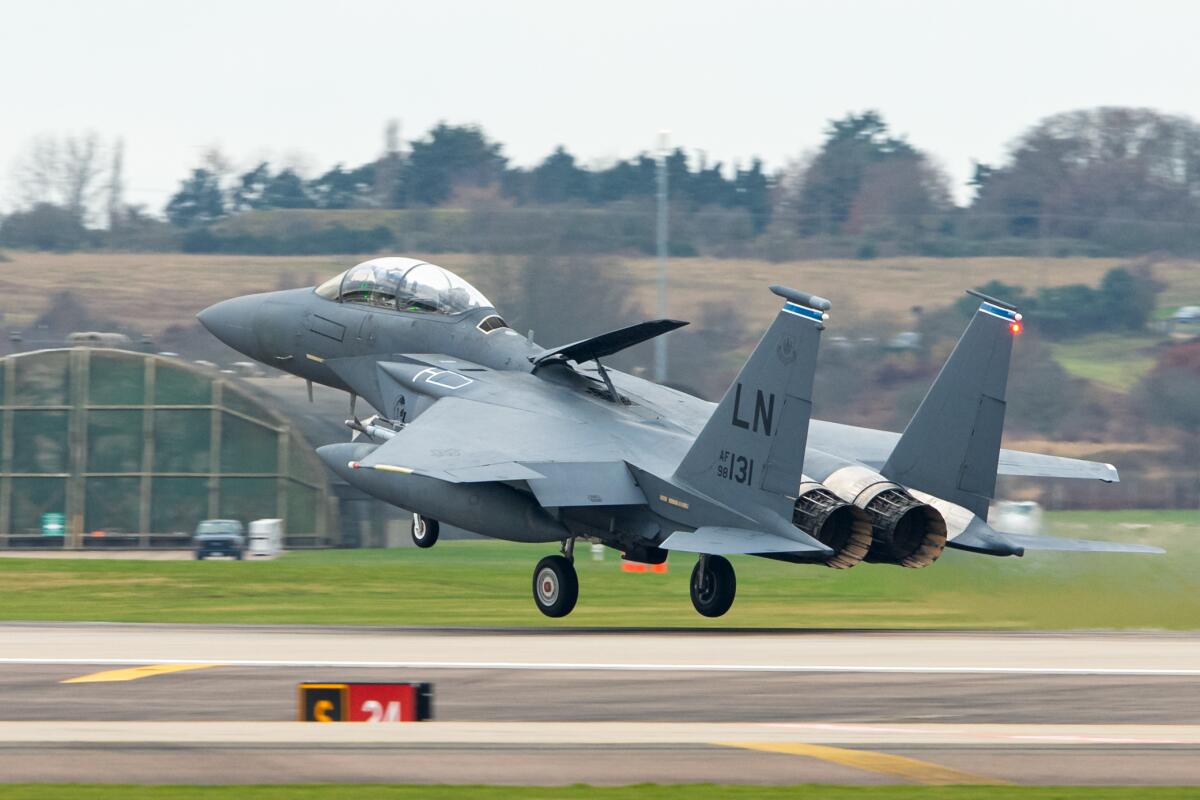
[(713, 585), (555, 582), (424, 531)]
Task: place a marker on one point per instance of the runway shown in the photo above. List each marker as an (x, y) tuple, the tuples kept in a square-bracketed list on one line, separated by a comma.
[(612, 707)]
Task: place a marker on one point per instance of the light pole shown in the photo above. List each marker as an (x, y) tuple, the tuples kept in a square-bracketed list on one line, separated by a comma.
[(660, 342)]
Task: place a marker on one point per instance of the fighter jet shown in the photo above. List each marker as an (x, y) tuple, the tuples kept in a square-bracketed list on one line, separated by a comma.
[(477, 426)]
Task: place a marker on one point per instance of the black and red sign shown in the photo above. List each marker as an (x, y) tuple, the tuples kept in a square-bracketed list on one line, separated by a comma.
[(366, 702)]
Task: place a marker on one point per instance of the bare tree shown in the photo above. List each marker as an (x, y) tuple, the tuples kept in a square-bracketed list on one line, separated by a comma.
[(1125, 177), (37, 174), (80, 172), (74, 173)]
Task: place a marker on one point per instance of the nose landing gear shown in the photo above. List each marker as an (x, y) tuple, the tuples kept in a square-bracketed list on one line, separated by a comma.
[(424, 531), (713, 585)]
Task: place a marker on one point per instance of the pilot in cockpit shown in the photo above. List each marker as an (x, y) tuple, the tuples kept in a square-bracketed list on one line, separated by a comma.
[(404, 284)]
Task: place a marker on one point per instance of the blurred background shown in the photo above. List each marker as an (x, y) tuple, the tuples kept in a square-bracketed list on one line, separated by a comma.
[(157, 158)]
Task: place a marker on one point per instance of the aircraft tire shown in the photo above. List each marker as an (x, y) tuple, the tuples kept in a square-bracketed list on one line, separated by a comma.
[(555, 586), (713, 586), (424, 531)]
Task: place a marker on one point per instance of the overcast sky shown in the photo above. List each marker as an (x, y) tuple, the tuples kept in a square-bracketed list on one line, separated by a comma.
[(313, 83)]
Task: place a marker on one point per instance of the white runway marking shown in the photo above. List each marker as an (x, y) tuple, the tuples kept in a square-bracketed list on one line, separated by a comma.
[(489, 734), (616, 667)]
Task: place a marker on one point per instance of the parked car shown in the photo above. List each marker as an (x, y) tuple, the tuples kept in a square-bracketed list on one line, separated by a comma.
[(220, 537)]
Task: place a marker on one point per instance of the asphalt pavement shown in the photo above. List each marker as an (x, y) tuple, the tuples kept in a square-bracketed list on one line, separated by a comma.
[(214, 704)]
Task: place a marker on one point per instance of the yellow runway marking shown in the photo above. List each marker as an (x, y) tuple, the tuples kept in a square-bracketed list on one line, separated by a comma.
[(884, 763), (133, 673)]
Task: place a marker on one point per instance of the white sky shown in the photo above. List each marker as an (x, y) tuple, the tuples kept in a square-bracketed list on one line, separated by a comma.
[(314, 82)]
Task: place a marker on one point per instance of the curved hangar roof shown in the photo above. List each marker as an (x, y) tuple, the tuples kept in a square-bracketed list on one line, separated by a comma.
[(405, 284), (126, 443)]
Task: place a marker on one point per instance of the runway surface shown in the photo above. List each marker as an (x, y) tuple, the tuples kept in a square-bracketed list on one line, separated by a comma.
[(150, 703)]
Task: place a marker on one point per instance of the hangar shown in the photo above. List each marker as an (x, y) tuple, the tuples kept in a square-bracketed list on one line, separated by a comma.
[(133, 448)]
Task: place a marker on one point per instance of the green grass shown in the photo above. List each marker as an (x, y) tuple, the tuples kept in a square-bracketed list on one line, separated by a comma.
[(703, 791), (487, 583), (1115, 360)]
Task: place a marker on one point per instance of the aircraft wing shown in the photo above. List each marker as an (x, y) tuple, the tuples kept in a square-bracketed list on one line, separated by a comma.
[(462, 441), (872, 448), (720, 541)]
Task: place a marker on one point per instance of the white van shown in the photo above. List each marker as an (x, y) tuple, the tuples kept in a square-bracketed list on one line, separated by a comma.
[(266, 538), (1020, 516)]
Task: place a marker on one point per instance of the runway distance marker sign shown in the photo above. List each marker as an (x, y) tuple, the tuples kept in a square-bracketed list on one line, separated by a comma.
[(365, 702)]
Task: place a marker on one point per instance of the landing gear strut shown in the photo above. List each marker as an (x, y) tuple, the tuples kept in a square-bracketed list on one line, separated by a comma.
[(424, 531), (713, 585), (555, 583)]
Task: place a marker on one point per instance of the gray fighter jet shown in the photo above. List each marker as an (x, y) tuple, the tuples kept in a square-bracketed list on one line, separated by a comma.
[(479, 427)]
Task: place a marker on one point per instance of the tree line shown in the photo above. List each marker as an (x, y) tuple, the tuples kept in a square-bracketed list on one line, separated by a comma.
[(453, 164), (1097, 181)]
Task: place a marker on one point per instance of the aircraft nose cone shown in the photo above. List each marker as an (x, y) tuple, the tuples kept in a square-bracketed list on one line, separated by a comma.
[(232, 321)]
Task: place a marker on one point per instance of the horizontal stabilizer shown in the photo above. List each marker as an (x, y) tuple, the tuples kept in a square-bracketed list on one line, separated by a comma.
[(715, 541), (1037, 465), (608, 343), (979, 537), (872, 447)]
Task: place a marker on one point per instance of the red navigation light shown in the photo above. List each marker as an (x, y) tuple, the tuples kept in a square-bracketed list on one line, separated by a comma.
[(1015, 327)]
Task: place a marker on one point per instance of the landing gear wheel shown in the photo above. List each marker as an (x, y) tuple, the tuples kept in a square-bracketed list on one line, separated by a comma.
[(713, 585), (555, 586), (424, 531)]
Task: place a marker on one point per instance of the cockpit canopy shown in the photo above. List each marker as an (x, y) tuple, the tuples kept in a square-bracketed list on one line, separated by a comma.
[(404, 284)]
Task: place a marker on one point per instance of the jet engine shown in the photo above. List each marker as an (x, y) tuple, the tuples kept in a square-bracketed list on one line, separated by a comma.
[(822, 515), (904, 530)]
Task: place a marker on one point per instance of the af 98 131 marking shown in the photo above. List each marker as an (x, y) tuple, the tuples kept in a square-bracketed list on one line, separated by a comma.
[(736, 468)]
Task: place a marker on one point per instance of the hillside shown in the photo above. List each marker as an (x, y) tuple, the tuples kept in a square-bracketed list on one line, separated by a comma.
[(151, 291)]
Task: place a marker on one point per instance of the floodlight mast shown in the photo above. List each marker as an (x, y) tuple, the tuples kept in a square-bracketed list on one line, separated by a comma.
[(660, 344)]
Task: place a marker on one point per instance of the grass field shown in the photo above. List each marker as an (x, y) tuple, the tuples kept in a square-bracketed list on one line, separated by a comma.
[(487, 583), (160, 289), (1115, 360), (637, 792)]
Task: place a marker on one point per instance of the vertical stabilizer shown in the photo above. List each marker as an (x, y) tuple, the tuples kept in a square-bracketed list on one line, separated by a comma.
[(752, 448), (951, 446)]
